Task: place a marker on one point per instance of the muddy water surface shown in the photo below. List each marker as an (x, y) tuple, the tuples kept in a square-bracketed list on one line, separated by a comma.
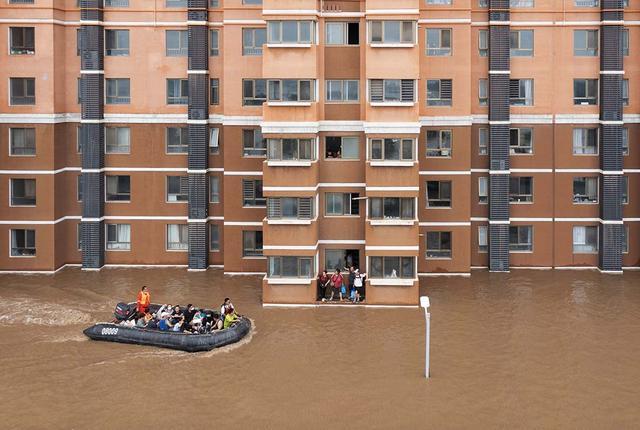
[(525, 350)]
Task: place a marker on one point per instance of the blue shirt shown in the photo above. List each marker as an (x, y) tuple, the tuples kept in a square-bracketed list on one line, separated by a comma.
[(163, 325)]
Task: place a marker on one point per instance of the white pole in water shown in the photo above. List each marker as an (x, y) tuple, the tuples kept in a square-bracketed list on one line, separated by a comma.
[(424, 303)]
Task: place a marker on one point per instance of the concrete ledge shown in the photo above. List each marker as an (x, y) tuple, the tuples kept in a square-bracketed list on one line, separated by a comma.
[(336, 305)]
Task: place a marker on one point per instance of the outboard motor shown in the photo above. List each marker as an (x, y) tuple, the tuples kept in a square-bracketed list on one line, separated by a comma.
[(124, 311)]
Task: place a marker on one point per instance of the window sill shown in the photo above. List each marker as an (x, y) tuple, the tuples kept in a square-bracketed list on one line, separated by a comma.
[(392, 282), (254, 257), (521, 252), (392, 45), (288, 45), (289, 163), (392, 163), (393, 104), (22, 256), (345, 102), (438, 258), (289, 281), (342, 216), (520, 203), (118, 250), (392, 222), (585, 203), (340, 159), (177, 250), (284, 104), (289, 222)]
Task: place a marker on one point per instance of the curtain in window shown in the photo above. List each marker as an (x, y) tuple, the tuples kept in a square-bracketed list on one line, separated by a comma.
[(579, 236)]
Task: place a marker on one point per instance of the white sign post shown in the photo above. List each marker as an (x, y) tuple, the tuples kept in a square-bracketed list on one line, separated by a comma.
[(424, 303)]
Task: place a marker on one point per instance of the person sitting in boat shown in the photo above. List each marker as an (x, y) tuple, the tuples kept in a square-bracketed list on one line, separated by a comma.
[(230, 317), (144, 320), (198, 320), (140, 322), (163, 324), (189, 313), (164, 310), (143, 301), (176, 315), (179, 325), (226, 306)]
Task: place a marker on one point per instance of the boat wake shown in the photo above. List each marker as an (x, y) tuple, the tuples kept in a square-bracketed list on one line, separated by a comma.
[(33, 312)]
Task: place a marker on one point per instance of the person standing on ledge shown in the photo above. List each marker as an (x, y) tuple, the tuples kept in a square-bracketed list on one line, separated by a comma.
[(144, 300)]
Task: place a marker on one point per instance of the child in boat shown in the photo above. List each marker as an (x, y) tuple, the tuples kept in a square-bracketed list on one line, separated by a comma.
[(230, 318)]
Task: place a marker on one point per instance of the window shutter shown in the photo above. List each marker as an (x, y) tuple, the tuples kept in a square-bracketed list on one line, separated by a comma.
[(376, 90), (408, 92), (213, 138), (248, 190), (514, 88), (445, 89), (274, 209), (305, 208), (184, 185)]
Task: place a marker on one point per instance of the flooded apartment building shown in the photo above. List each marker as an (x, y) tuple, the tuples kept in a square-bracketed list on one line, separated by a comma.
[(406, 137)]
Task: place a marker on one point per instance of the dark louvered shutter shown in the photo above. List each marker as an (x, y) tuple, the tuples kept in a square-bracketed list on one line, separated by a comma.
[(514, 88), (376, 90), (248, 191), (408, 92), (274, 209), (446, 89)]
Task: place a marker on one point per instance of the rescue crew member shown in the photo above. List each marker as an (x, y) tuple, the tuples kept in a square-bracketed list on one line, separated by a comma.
[(144, 300)]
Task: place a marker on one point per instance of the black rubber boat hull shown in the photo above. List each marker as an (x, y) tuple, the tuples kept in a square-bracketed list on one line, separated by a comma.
[(165, 339)]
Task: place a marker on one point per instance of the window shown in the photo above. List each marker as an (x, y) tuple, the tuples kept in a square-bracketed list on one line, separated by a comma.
[(625, 92), (442, 2), (625, 42), (625, 239), (177, 237), (438, 244), (214, 237), (439, 92), (438, 42), (290, 149), (291, 90), (483, 3), (23, 243), (585, 190), (214, 140), (391, 90), (521, 238), (586, 3), (585, 43), (214, 96), (392, 267), (252, 40), (117, 140), (118, 237), (625, 141), (483, 92), (346, 148), (585, 141), (254, 92), (252, 244), (177, 140), (520, 3), (290, 267), (176, 3), (521, 43), (251, 1), (483, 141), (520, 141), (483, 238), (22, 141), (392, 208), (118, 188), (624, 190), (22, 40), (252, 193), (116, 43), (483, 43), (79, 188), (23, 192), (438, 194), (23, 91), (79, 236), (438, 143), (343, 90), (177, 43), (214, 189), (79, 90), (585, 239), (78, 41), (339, 258), (116, 3), (520, 189), (392, 149), (214, 43), (294, 32), (290, 208), (483, 190), (118, 91), (342, 204), (392, 32), (253, 144), (585, 91), (521, 92), (177, 189), (342, 33), (177, 91)]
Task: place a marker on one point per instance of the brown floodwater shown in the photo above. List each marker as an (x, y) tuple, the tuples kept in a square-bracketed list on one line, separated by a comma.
[(530, 349)]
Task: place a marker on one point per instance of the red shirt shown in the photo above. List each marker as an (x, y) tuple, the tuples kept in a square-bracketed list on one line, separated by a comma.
[(337, 280)]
